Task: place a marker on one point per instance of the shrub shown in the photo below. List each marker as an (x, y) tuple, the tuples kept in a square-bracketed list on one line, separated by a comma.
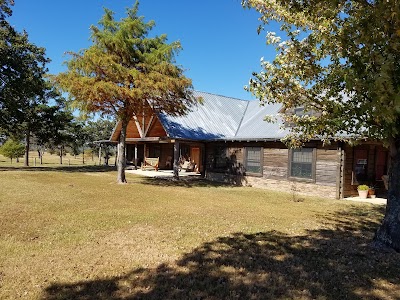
[(12, 149)]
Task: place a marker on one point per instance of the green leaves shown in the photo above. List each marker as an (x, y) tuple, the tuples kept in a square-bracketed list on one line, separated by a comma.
[(12, 149), (341, 59)]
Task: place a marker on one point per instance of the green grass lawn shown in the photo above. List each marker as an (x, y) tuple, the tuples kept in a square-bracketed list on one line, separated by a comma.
[(73, 233)]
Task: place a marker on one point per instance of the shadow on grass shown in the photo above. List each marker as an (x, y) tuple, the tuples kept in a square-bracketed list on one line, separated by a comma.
[(331, 263), (61, 168), (189, 181)]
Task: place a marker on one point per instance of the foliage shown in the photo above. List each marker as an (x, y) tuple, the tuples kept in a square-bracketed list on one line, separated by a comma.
[(22, 66), (98, 130), (363, 187), (24, 93), (126, 73), (5, 9), (340, 59), (341, 63), (12, 149)]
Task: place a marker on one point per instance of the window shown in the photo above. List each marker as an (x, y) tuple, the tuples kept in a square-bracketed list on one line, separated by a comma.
[(253, 160), (302, 163)]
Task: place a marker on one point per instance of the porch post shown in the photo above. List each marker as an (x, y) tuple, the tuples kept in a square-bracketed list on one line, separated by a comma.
[(135, 156), (99, 154), (176, 160)]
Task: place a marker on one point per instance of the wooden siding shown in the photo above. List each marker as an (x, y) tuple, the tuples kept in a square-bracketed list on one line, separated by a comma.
[(157, 130), (131, 130), (326, 170), (235, 154), (275, 163), (167, 152), (209, 155)]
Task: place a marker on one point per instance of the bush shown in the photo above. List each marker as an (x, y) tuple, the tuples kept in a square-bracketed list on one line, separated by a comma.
[(12, 149)]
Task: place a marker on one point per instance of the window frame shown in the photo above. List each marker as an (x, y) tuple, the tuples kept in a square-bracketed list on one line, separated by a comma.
[(261, 161), (313, 165)]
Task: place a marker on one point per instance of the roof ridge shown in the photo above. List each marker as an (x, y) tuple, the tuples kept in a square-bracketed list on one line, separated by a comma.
[(235, 98), (241, 120)]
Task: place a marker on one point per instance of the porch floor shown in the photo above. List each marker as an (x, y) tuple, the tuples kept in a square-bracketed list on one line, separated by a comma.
[(377, 200), (160, 173)]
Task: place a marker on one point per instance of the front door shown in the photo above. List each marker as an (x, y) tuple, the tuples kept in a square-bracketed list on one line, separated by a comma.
[(195, 156)]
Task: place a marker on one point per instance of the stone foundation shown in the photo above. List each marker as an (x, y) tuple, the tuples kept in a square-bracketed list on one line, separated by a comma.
[(302, 188)]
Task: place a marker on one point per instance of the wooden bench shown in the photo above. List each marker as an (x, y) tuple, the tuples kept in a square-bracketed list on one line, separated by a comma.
[(150, 163)]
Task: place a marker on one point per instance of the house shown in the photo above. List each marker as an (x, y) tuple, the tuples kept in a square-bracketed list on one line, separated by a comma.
[(227, 139)]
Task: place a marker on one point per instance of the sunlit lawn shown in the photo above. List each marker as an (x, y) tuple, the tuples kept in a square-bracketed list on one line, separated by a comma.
[(73, 233)]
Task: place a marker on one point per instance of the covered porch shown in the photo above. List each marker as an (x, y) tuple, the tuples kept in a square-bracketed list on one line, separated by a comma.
[(162, 173), (366, 163), (186, 155)]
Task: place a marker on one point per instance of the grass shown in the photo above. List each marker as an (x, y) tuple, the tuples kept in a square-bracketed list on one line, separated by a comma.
[(73, 233)]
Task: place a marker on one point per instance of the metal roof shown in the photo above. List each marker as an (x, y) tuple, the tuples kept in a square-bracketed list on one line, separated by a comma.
[(224, 118), (253, 125)]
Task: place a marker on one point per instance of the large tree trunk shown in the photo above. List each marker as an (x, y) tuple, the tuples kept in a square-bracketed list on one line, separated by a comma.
[(121, 153), (27, 146), (388, 234)]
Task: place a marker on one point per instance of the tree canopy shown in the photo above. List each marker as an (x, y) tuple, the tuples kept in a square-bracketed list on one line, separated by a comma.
[(22, 66), (341, 60), (126, 73)]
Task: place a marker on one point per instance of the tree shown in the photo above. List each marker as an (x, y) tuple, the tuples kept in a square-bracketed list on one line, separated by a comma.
[(99, 130), (340, 59), (56, 129), (48, 122), (125, 73), (5, 9), (12, 149), (23, 90), (22, 66), (36, 118)]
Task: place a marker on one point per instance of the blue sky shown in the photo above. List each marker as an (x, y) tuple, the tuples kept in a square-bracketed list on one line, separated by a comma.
[(221, 47)]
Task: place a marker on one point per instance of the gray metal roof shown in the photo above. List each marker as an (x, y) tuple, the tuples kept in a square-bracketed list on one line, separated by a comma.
[(253, 125), (224, 118)]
